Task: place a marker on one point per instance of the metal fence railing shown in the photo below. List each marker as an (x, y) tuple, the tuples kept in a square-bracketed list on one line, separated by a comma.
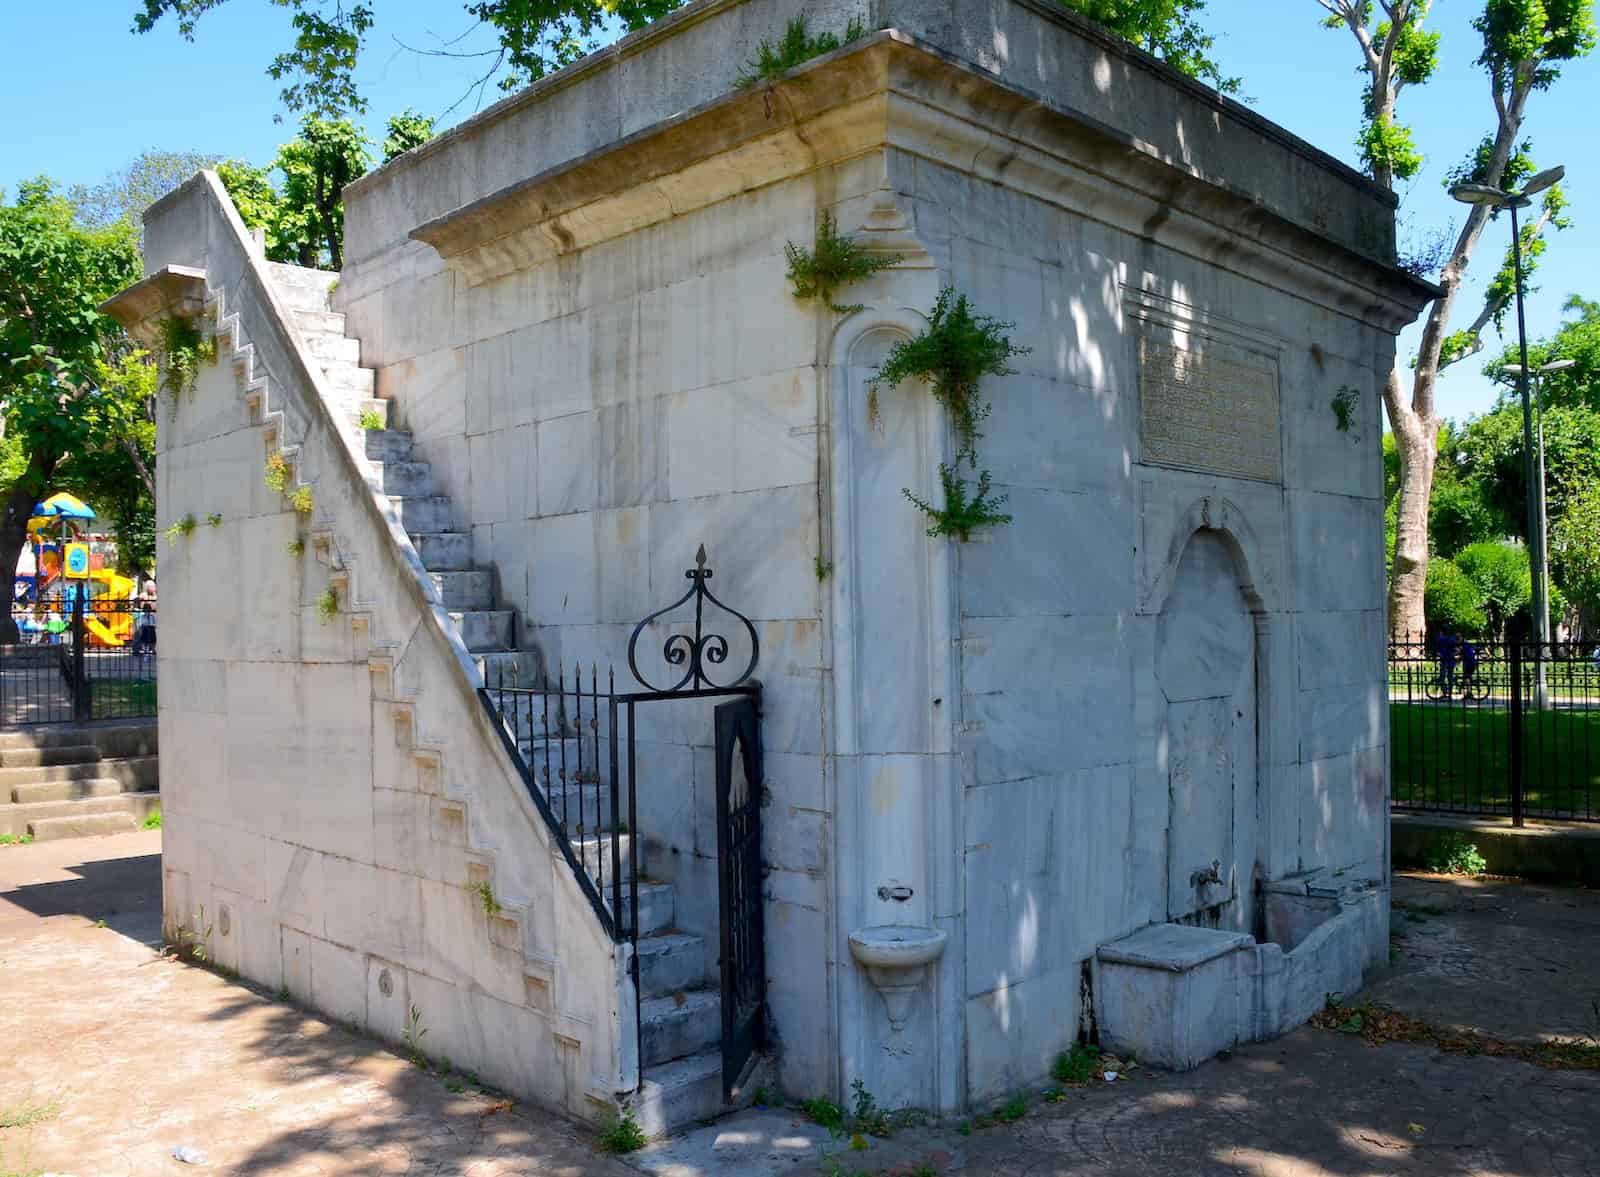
[(81, 658), (1504, 725)]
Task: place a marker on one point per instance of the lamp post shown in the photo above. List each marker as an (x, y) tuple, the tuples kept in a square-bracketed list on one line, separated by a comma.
[(1495, 199), (1537, 489)]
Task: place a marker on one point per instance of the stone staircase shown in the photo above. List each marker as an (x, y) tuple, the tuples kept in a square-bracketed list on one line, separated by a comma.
[(72, 781), (680, 1012)]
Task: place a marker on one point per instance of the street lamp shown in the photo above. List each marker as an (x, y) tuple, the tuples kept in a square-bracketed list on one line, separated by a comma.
[(1494, 199), (1537, 489)]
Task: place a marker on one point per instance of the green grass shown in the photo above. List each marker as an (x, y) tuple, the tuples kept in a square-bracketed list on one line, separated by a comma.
[(15, 839), (1076, 1066), (1448, 756), (152, 820), (118, 697)]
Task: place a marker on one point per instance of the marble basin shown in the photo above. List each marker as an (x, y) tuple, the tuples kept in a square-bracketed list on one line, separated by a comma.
[(895, 956)]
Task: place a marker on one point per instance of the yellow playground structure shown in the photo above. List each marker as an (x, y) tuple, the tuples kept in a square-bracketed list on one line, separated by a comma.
[(105, 625)]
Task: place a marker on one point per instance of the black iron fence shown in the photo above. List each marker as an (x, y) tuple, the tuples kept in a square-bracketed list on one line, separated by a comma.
[(1506, 725), (80, 657)]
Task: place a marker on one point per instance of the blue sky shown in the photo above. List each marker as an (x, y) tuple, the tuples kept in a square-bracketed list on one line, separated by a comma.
[(95, 95)]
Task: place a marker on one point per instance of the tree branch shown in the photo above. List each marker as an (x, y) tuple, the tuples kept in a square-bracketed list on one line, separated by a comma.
[(1490, 306), (139, 464)]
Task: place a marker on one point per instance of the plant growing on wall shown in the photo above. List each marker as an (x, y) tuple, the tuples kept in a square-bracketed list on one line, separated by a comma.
[(370, 420), (182, 529), (795, 48), (960, 516), (953, 354), (277, 473), (296, 547), (214, 519), (183, 348), (836, 261), (328, 604), (301, 500), (1344, 405)]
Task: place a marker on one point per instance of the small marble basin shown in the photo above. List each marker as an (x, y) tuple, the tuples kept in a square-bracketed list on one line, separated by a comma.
[(897, 946)]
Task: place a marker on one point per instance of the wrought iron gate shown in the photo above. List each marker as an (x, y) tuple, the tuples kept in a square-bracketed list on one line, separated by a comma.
[(744, 959)]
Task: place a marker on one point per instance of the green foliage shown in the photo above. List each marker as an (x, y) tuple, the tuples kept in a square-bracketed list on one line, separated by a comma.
[(953, 353), (1577, 339), (1575, 549), (837, 261), (622, 1135), (1452, 854), (824, 1113), (183, 348), (1077, 1066), (277, 473), (125, 194), (1500, 573), (152, 820), (796, 47), (303, 215), (1344, 405), (1170, 29), (1533, 35), (301, 500), (318, 69), (15, 839), (413, 1033), (960, 515), (296, 547), (404, 131), (824, 568), (491, 905), (328, 607), (1012, 1110), (1451, 601), (370, 419), (182, 529)]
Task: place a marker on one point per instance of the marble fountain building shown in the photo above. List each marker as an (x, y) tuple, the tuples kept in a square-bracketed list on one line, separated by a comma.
[(1117, 768)]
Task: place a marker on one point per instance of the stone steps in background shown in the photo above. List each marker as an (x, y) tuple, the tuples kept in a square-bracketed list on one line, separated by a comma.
[(72, 780)]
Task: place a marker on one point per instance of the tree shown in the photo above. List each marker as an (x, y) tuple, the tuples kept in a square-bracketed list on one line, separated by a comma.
[(1499, 571), (1524, 43), (1169, 29), (54, 273), (304, 220), (1454, 602), (406, 130), (125, 194), (318, 70), (1577, 339), (1575, 553)]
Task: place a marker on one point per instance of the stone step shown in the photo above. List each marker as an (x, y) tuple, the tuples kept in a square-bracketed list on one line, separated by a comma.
[(671, 962), (351, 381), (406, 478), (69, 790), (116, 739), (15, 819), (443, 551), (576, 806), (679, 1025), (51, 754), (388, 445), (333, 349), (422, 514), (485, 629), (139, 771), (318, 322), (587, 848), (688, 1091), (464, 590), (53, 829), (300, 287), (508, 667), (658, 907)]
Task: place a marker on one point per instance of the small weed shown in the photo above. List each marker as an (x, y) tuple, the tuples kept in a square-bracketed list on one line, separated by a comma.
[(284, 995), (1077, 1066), (491, 905), (182, 529), (15, 839), (1012, 1110), (622, 1135), (152, 820), (824, 1112), (454, 1085), (1344, 405), (301, 500), (961, 516), (836, 261), (328, 604), (824, 569), (277, 473), (1378, 1024), (964, 1128), (370, 420), (1454, 855), (28, 1113), (414, 1033), (333, 288), (182, 348), (296, 547), (191, 944), (867, 1115), (100, 923), (214, 519), (797, 47), (760, 1098)]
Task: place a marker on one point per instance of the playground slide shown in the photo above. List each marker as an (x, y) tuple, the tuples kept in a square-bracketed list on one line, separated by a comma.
[(106, 627)]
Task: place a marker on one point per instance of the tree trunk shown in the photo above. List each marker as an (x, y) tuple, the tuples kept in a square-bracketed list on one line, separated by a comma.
[(14, 530), (1417, 444)]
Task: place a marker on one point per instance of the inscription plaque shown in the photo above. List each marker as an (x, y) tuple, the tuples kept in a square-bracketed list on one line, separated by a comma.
[(1213, 408)]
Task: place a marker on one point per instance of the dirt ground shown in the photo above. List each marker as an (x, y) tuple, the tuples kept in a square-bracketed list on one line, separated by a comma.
[(117, 1057)]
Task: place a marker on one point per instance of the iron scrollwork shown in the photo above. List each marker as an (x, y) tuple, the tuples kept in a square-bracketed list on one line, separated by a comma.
[(695, 654)]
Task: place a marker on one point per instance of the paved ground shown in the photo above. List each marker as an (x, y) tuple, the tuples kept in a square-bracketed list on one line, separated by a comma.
[(127, 1056)]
